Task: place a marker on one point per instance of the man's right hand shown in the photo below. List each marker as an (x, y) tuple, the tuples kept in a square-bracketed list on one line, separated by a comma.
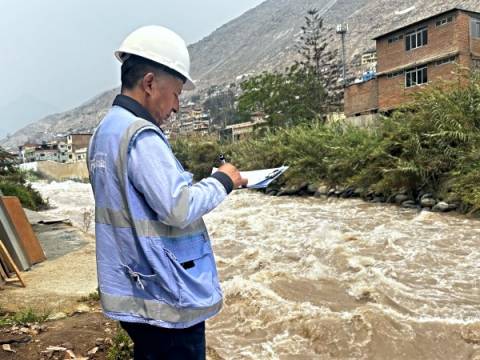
[(234, 174)]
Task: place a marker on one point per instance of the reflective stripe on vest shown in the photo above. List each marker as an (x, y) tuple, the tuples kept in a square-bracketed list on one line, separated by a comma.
[(145, 228), (150, 309)]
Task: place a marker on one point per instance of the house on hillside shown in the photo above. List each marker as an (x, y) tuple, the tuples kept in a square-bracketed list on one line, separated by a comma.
[(73, 148), (410, 57), (77, 143)]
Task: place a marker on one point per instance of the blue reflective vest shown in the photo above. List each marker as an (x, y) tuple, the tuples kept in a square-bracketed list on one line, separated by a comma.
[(155, 265)]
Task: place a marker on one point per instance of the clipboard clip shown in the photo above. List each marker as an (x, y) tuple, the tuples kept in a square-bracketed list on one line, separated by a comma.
[(273, 174)]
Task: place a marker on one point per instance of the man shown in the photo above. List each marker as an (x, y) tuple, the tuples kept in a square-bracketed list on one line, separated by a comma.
[(156, 269)]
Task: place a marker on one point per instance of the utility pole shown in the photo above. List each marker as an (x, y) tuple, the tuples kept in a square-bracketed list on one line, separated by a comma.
[(342, 29)]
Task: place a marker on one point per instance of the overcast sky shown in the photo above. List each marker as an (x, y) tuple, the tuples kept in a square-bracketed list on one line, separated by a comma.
[(60, 52)]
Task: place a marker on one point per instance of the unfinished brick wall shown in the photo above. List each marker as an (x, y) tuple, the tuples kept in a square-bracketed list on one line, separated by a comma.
[(444, 41), (361, 98), (450, 38), (441, 40), (393, 93)]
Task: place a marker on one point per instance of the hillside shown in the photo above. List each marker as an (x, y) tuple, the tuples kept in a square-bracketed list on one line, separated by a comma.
[(261, 39)]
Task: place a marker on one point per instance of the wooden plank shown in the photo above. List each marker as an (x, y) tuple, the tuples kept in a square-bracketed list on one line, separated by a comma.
[(8, 259), (11, 240), (3, 276), (22, 226)]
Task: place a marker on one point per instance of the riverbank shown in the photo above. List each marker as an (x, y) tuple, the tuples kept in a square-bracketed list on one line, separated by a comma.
[(422, 201), (424, 155)]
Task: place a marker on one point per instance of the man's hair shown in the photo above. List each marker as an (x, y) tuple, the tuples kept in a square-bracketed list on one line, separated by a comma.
[(134, 68)]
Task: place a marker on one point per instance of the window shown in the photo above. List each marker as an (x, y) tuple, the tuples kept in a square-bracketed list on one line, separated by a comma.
[(476, 64), (416, 76), (476, 28), (395, 74), (416, 39), (394, 38), (447, 60), (445, 20)]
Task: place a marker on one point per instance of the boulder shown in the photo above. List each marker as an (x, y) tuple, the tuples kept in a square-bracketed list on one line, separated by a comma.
[(442, 206), (452, 207), (312, 189), (401, 198), (427, 202), (409, 204), (321, 190), (358, 192), (348, 193), (56, 316), (271, 192), (426, 196)]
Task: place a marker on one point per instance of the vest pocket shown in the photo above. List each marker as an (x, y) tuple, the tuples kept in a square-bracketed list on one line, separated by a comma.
[(193, 267), (162, 285)]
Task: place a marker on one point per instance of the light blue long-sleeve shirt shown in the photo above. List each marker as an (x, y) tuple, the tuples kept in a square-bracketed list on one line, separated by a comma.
[(166, 186)]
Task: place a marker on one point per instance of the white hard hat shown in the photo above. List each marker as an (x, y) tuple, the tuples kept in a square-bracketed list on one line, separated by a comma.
[(160, 45)]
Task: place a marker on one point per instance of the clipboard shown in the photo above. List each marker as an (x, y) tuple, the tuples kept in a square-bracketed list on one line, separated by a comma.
[(260, 179)]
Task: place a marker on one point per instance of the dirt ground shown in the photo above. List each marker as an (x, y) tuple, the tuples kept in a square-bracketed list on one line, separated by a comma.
[(84, 336), (54, 287), (72, 337)]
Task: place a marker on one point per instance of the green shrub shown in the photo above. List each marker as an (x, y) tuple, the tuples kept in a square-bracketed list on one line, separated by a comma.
[(122, 346), (29, 197), (13, 182)]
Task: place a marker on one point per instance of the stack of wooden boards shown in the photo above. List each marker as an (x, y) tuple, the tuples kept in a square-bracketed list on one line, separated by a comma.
[(19, 247)]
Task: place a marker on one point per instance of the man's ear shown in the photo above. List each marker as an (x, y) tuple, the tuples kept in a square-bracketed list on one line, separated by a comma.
[(148, 82)]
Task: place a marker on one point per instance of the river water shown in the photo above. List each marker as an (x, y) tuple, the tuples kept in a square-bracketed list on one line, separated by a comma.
[(308, 278)]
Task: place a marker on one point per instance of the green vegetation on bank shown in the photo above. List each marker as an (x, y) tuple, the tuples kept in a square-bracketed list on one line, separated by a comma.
[(13, 182), (430, 146), (24, 317), (122, 346)]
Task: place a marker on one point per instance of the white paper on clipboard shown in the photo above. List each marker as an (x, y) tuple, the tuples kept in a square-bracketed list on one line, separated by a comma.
[(259, 179)]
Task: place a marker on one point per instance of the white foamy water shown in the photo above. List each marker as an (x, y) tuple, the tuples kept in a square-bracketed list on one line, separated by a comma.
[(309, 278)]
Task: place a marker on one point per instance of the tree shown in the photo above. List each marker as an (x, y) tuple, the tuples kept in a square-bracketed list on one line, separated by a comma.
[(306, 91), (222, 109), (315, 57), (286, 98), (7, 162)]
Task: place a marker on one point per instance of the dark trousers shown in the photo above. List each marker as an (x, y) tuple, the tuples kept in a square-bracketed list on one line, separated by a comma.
[(156, 343)]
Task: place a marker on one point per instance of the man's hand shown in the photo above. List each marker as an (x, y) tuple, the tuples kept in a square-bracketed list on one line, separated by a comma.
[(234, 174)]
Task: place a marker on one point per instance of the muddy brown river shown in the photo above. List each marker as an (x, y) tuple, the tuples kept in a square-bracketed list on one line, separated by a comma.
[(308, 278)]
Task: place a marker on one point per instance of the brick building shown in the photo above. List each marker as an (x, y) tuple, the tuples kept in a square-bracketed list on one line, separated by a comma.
[(410, 57)]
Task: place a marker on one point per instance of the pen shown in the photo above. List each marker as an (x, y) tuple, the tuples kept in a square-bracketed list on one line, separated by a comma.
[(221, 158)]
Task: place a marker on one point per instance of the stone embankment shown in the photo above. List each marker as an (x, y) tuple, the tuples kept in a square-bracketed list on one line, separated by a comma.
[(425, 201), (61, 172)]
